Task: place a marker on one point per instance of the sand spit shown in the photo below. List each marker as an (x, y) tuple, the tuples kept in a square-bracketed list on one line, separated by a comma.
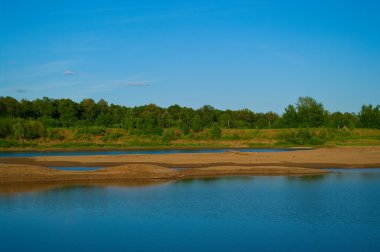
[(343, 157), (13, 173), (160, 166)]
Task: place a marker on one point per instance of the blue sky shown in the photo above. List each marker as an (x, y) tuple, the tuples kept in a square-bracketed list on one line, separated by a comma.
[(234, 54)]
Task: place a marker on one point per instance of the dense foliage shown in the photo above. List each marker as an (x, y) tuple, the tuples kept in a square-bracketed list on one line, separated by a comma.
[(34, 119)]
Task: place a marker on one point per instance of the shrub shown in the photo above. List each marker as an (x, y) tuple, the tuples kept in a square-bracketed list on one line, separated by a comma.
[(50, 122), (111, 136), (316, 141), (215, 132), (34, 129), (87, 133), (54, 134), (18, 130), (5, 128), (24, 129), (302, 137), (171, 135)]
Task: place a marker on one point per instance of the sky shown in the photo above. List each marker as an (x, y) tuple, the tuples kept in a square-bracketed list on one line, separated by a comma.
[(255, 54)]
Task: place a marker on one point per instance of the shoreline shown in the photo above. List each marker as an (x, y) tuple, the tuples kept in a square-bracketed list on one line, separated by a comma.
[(192, 165), (153, 148)]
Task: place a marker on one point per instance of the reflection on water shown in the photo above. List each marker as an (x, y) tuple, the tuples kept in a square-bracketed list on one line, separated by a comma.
[(13, 188), (329, 212)]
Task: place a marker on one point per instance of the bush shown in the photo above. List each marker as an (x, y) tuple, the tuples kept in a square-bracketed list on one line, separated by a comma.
[(171, 135), (15, 143), (6, 144), (92, 131), (215, 132), (316, 141), (302, 137), (5, 128), (18, 130), (23, 129), (234, 136), (87, 133), (111, 136), (34, 129), (54, 134), (49, 122)]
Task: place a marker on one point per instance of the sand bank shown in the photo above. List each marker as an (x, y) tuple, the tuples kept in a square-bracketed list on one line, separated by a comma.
[(14, 173), (160, 166), (347, 157)]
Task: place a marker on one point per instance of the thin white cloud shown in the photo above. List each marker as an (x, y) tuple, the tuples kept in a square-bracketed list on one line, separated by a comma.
[(68, 72), (116, 84), (42, 70), (138, 83)]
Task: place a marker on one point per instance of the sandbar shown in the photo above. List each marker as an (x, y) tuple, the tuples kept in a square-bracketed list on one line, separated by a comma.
[(180, 166)]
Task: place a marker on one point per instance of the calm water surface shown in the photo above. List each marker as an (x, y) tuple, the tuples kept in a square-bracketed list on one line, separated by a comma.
[(123, 152), (76, 168), (334, 212)]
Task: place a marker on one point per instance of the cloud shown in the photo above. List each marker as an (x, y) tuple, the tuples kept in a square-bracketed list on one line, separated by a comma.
[(138, 83), (116, 84), (44, 70), (20, 91), (68, 72)]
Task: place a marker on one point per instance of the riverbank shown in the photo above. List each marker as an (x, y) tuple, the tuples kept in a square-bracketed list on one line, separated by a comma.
[(179, 166), (79, 139)]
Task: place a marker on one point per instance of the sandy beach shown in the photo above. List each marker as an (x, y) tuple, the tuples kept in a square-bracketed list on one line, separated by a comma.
[(179, 166)]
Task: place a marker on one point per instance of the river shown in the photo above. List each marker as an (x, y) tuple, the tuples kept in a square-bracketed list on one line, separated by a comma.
[(333, 212)]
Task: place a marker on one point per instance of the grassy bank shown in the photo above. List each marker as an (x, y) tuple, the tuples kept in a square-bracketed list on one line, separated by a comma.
[(103, 138)]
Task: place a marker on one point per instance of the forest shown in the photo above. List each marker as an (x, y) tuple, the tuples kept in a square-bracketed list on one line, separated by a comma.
[(38, 118)]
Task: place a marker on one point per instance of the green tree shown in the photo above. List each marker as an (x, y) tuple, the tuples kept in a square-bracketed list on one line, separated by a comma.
[(67, 110), (369, 116), (226, 120), (290, 117), (196, 123), (89, 110), (9, 107), (44, 107), (310, 112)]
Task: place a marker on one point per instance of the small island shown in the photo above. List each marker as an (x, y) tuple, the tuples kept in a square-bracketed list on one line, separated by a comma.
[(182, 166)]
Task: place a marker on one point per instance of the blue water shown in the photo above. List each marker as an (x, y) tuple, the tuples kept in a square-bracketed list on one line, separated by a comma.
[(334, 212), (76, 168), (121, 152), (365, 170)]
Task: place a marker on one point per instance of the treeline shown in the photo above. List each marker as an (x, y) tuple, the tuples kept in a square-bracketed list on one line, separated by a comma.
[(30, 119)]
